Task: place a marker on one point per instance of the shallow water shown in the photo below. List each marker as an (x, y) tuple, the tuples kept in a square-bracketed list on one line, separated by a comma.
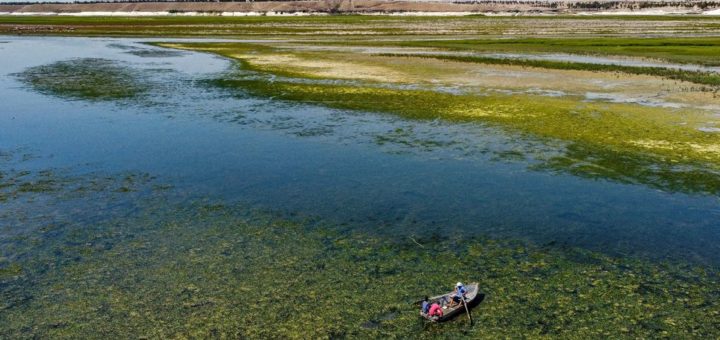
[(361, 171)]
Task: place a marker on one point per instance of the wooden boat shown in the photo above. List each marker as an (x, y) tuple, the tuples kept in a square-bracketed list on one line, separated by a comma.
[(472, 297)]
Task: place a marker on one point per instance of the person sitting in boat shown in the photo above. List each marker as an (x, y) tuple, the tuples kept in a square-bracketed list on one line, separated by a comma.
[(435, 310), (459, 294), (426, 305)]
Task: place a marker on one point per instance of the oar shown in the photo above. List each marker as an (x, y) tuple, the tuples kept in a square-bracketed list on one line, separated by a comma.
[(467, 310)]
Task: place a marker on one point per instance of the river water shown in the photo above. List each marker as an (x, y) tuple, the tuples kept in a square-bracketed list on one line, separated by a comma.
[(356, 170)]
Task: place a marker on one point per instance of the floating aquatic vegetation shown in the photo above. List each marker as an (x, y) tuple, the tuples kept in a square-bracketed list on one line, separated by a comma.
[(86, 79)]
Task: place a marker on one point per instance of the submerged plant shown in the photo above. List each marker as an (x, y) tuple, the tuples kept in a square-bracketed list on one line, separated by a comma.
[(213, 269), (87, 79)]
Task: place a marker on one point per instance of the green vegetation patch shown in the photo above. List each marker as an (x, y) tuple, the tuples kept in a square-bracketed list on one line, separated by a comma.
[(212, 270), (9, 270), (698, 77), (693, 50), (16, 185), (86, 79)]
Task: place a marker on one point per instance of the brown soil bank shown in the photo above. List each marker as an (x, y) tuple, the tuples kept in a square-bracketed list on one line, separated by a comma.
[(370, 7)]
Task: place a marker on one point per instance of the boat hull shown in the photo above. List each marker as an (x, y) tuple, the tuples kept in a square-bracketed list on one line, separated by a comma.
[(472, 298)]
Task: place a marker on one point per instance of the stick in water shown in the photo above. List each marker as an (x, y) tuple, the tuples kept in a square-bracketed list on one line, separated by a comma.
[(416, 242), (467, 310)]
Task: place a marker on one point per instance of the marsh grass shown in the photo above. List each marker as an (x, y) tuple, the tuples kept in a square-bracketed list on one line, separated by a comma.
[(87, 79)]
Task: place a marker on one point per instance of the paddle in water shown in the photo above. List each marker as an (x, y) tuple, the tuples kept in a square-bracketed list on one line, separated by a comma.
[(467, 310)]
